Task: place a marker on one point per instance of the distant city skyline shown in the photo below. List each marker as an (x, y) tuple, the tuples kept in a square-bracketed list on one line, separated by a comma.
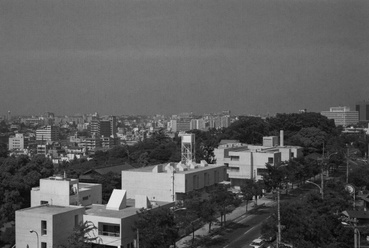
[(150, 57)]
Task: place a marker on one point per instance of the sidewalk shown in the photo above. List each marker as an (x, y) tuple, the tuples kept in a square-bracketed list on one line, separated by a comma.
[(237, 213)]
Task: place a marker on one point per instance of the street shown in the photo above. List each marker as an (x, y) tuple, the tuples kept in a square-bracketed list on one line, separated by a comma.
[(244, 230)]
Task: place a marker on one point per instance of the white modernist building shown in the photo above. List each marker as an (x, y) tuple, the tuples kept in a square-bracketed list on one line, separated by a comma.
[(59, 190), (244, 161), (60, 204), (168, 182)]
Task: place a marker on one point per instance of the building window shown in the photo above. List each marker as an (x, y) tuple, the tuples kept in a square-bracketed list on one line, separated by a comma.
[(76, 221), (233, 169), (235, 158), (112, 230), (85, 198), (262, 172), (44, 202), (270, 160), (43, 227), (292, 154), (43, 244)]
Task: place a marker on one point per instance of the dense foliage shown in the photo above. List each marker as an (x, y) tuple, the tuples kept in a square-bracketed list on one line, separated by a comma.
[(309, 221), (156, 228)]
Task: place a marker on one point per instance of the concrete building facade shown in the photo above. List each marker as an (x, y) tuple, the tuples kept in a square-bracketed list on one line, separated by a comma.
[(17, 142), (62, 191), (363, 109), (342, 116), (167, 182), (46, 226), (47, 133), (244, 161)]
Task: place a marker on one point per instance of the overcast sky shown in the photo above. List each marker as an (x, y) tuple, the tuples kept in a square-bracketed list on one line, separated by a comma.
[(171, 56)]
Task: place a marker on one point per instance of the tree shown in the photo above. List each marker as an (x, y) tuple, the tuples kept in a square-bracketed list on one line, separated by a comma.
[(311, 222), (248, 190), (225, 201), (83, 235), (156, 227)]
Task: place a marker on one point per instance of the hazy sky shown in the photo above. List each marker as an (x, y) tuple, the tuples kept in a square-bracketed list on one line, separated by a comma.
[(171, 56)]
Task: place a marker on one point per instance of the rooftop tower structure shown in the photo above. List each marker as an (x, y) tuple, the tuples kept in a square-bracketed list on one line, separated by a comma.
[(188, 148)]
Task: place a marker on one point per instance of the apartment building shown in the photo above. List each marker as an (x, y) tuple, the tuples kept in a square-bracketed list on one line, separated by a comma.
[(60, 204), (362, 108), (62, 191), (342, 116), (46, 226), (17, 142), (47, 133), (244, 161)]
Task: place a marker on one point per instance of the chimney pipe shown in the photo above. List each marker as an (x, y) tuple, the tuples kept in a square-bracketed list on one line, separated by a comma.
[(281, 141)]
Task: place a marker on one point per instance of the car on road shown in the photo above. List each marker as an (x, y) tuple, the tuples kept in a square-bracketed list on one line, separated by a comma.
[(258, 243)]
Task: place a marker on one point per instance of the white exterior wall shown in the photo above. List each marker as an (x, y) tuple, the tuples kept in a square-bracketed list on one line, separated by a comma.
[(248, 162), (160, 186), (57, 192), (156, 186), (59, 227), (92, 191), (16, 142), (108, 240)]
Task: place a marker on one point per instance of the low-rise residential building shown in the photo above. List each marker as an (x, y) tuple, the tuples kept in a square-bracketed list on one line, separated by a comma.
[(46, 226), (244, 161), (114, 221), (59, 190)]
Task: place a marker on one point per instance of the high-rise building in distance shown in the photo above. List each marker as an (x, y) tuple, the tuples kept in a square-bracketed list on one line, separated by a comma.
[(363, 109)]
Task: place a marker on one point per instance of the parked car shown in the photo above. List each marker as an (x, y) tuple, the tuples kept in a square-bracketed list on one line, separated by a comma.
[(258, 243)]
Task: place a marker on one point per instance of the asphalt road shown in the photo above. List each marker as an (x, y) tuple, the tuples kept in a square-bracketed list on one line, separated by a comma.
[(243, 231)]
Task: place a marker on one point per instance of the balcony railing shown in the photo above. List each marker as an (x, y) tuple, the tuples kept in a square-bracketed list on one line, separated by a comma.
[(111, 234)]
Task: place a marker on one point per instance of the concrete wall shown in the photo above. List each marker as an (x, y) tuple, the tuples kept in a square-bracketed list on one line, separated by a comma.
[(58, 192), (157, 186), (59, 227), (110, 240), (160, 186), (93, 193), (244, 164)]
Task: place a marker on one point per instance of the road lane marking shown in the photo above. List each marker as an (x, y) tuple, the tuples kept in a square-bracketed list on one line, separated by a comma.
[(250, 229)]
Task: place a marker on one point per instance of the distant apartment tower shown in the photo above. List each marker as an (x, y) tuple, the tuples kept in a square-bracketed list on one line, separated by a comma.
[(183, 124), (17, 142), (105, 128), (342, 116), (219, 121), (363, 109), (47, 133), (224, 121), (198, 124), (95, 127)]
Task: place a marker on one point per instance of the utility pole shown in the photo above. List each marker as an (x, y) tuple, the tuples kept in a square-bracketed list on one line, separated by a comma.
[(347, 165), (279, 218), (322, 184)]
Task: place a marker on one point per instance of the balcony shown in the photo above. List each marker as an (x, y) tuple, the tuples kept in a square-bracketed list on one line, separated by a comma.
[(110, 234)]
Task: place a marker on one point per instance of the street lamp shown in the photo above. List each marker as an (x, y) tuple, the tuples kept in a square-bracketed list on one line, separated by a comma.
[(33, 231), (320, 188)]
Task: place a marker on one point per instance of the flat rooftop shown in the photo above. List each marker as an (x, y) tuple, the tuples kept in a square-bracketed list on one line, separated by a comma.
[(130, 210), (49, 209), (149, 169)]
